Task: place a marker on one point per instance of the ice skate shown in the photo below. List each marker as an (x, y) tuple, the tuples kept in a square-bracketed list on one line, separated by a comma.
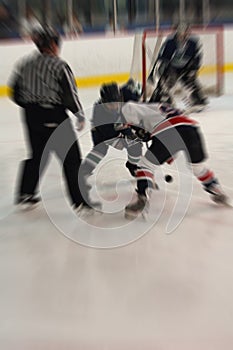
[(141, 206), (85, 210), (28, 202), (217, 194), (221, 198)]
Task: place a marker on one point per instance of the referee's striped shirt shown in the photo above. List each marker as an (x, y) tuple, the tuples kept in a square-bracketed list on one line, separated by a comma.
[(46, 81)]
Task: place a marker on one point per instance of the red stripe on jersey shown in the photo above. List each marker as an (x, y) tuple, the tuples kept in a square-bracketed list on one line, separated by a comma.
[(178, 120), (145, 173), (207, 176)]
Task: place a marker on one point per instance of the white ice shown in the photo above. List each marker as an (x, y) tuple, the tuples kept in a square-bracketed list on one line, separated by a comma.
[(165, 284)]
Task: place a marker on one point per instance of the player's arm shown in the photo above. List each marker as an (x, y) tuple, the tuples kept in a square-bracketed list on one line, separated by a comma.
[(134, 114), (162, 60), (195, 55), (165, 57), (102, 125)]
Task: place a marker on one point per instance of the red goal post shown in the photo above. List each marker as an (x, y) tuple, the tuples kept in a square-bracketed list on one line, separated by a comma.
[(211, 73)]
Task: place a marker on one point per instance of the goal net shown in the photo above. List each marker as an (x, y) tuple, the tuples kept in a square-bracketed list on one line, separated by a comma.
[(148, 43)]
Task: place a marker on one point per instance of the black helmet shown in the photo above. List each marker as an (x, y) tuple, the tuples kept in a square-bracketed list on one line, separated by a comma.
[(110, 93), (182, 30), (43, 37)]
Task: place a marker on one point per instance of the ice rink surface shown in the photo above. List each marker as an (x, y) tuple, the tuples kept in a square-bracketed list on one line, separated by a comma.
[(110, 284)]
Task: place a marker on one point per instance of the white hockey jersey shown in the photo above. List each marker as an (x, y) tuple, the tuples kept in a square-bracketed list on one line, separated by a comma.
[(145, 115), (149, 117)]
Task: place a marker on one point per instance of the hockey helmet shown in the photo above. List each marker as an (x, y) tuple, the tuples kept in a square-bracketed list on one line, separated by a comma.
[(110, 93), (44, 37), (182, 30)]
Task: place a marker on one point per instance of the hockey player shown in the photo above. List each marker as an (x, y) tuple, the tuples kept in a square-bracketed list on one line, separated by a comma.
[(167, 135), (105, 133), (179, 60)]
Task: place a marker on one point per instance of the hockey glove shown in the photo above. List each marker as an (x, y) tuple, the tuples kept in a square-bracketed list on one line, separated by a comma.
[(120, 126), (127, 132), (142, 134), (169, 111)]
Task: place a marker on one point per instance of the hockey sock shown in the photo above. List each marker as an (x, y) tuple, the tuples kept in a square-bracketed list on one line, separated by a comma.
[(206, 177), (91, 161), (145, 180)]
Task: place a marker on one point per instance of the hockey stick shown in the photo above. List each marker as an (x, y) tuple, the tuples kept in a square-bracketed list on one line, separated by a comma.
[(150, 76), (149, 87), (155, 57)]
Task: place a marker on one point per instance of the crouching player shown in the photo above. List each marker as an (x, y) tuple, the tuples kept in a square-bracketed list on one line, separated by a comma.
[(105, 133), (168, 135)]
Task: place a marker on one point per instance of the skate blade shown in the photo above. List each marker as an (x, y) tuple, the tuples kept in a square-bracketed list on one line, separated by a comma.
[(85, 213), (132, 215), (27, 207), (222, 200)]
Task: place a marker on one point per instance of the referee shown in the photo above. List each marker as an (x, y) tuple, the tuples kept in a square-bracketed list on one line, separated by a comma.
[(44, 86)]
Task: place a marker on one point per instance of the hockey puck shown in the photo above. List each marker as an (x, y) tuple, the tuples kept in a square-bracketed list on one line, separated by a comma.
[(168, 178)]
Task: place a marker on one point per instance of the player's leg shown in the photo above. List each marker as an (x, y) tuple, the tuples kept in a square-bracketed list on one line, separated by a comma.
[(209, 182), (134, 153), (196, 154), (190, 80), (87, 167), (157, 154), (93, 158)]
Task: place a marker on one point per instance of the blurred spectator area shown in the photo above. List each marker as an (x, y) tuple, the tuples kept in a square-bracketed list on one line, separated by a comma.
[(9, 27), (75, 17)]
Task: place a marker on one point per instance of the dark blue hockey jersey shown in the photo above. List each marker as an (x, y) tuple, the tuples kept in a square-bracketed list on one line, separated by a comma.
[(181, 55)]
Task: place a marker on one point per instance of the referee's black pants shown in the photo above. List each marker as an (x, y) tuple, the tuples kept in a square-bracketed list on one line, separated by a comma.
[(44, 137)]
